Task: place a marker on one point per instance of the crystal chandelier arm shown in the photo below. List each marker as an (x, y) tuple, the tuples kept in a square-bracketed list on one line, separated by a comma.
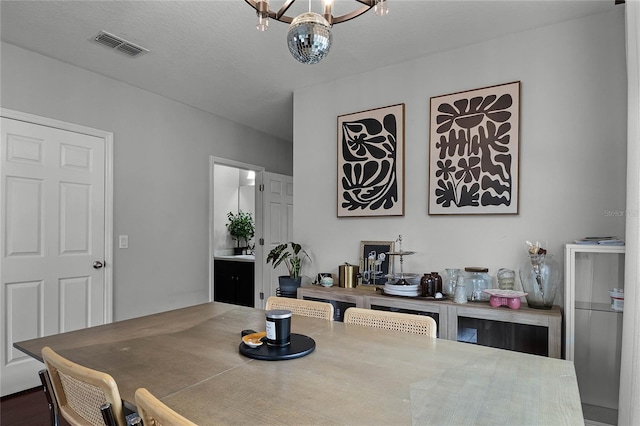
[(355, 13), (280, 14)]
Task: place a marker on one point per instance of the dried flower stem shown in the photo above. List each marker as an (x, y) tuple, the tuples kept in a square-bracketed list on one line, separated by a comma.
[(537, 255)]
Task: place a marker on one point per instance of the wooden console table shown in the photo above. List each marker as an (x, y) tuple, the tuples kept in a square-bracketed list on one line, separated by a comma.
[(448, 313)]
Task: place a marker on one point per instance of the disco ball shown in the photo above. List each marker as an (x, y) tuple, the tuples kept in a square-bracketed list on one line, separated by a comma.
[(309, 38)]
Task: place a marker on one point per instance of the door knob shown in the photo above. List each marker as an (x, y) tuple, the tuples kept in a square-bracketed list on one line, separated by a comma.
[(97, 264)]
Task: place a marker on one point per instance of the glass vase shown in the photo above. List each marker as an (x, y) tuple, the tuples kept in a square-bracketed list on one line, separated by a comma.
[(540, 277)]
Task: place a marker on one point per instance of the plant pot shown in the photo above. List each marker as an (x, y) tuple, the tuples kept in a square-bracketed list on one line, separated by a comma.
[(288, 286), (238, 250)]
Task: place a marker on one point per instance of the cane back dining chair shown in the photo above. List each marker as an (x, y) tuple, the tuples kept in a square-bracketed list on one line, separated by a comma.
[(84, 396), (410, 323), (155, 413), (307, 308)]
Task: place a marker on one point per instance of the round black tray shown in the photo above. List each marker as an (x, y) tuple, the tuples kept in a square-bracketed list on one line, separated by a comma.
[(300, 346)]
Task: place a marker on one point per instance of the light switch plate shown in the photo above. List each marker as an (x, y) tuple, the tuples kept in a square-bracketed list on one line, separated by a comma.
[(123, 241)]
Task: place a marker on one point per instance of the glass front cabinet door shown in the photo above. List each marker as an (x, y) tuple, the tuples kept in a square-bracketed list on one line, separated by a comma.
[(593, 325)]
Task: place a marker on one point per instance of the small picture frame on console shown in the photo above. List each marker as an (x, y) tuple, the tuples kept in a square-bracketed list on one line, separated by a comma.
[(375, 263)]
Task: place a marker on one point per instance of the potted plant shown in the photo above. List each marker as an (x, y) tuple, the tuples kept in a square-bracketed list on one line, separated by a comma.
[(292, 255), (241, 228)]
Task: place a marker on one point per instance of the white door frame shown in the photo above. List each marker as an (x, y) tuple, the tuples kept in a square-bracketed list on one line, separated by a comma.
[(258, 222), (108, 191)]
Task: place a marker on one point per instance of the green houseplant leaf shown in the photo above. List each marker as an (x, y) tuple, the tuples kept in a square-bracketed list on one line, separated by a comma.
[(291, 254), (241, 226)]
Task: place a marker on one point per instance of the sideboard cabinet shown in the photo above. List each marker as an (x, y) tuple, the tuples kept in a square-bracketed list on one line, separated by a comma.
[(528, 330)]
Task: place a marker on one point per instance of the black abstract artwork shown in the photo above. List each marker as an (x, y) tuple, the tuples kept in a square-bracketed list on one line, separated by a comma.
[(474, 151), (371, 162)]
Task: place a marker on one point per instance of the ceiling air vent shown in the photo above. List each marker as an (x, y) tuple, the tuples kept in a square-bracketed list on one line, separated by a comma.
[(120, 44)]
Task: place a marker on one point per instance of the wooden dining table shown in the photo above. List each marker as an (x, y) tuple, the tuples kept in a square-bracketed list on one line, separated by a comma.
[(190, 359)]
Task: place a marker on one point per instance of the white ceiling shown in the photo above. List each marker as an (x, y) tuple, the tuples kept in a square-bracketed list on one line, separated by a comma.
[(209, 55)]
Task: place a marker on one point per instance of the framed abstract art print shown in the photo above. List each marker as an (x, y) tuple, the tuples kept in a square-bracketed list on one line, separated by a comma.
[(474, 149), (371, 163)]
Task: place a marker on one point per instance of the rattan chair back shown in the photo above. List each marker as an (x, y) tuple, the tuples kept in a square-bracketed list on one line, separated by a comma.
[(81, 391), (155, 413), (307, 308), (410, 323)]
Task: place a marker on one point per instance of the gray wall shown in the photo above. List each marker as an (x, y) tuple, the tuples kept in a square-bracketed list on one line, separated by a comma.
[(161, 172), (572, 140)]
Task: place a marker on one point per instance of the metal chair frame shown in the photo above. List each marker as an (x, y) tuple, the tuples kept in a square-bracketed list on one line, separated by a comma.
[(51, 398)]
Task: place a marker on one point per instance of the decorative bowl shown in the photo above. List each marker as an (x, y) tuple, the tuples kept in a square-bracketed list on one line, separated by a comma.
[(254, 340), (326, 282)]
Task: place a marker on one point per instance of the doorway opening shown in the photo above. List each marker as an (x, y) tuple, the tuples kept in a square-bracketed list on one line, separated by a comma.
[(234, 187)]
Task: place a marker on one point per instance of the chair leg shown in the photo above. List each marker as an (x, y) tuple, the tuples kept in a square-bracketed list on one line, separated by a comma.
[(51, 398), (107, 415)]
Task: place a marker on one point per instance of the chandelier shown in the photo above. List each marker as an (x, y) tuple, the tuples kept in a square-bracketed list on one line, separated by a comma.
[(309, 36)]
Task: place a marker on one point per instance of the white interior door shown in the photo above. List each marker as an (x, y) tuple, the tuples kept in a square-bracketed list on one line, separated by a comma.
[(278, 224), (53, 240)]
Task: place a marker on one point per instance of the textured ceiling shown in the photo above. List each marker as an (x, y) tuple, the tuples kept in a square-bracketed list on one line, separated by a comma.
[(207, 54)]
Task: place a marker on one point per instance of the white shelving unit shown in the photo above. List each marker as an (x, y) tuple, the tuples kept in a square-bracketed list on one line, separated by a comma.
[(593, 331)]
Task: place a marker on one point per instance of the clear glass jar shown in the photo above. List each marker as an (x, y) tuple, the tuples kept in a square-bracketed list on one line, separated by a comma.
[(506, 279), (449, 282), (460, 295), (477, 279)]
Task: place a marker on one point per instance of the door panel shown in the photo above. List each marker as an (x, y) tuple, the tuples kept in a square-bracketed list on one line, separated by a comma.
[(75, 205), (23, 300), (53, 229), (23, 216)]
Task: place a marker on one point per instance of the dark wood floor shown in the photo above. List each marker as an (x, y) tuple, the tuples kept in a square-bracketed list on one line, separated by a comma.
[(27, 408)]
